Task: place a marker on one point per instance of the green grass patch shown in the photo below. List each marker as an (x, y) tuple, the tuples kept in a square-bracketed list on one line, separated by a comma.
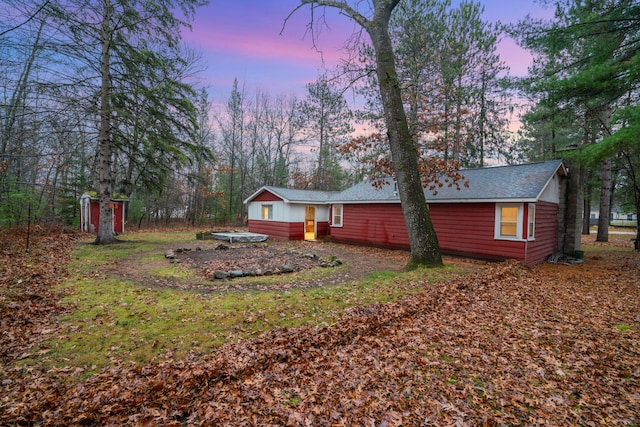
[(114, 319), (88, 256), (174, 271)]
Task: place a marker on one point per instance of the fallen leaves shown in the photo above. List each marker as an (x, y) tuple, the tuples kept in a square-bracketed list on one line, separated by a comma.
[(506, 346), (27, 302), (255, 260)]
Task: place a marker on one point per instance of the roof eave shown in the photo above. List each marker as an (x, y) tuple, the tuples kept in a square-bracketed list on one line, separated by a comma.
[(499, 200)]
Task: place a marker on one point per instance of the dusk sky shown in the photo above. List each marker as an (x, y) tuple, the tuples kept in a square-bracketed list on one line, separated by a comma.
[(241, 39)]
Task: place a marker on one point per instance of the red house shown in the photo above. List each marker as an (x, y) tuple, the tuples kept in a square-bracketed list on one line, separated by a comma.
[(90, 213), (505, 212)]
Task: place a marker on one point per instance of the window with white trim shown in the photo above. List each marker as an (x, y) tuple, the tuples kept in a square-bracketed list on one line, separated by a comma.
[(531, 222), (267, 211), (337, 216), (508, 219)]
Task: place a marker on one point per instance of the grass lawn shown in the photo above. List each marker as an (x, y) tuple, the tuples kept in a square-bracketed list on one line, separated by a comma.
[(114, 319), (500, 344)]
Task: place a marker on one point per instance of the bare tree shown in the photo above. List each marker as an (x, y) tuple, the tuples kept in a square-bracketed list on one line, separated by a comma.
[(425, 249)]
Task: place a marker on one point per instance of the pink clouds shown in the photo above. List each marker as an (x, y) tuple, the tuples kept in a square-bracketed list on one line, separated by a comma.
[(266, 46), (245, 39), (253, 31), (242, 38)]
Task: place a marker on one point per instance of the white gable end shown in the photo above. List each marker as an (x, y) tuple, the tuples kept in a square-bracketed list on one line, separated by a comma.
[(551, 193)]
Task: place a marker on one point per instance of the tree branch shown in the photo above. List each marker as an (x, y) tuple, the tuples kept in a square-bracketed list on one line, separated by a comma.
[(27, 21)]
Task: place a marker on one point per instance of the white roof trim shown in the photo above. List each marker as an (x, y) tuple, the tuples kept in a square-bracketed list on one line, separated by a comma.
[(544, 187)]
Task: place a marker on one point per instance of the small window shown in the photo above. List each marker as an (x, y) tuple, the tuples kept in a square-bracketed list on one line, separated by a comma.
[(508, 221), (337, 216), (267, 211), (531, 229)]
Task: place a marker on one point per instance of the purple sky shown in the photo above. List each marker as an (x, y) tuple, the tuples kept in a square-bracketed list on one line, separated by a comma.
[(241, 38)]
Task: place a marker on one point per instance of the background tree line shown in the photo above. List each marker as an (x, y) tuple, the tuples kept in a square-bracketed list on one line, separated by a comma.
[(66, 118), (584, 91)]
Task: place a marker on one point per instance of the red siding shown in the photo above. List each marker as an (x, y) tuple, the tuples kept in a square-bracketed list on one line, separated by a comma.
[(463, 229), (278, 230), (118, 225), (94, 214), (468, 229), (546, 233), (372, 224), (118, 214), (322, 228), (266, 196)]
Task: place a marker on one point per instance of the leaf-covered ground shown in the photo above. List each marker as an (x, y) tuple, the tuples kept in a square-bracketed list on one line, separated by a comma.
[(553, 345)]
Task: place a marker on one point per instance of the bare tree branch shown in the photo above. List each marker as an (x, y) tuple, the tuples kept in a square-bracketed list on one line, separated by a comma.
[(27, 21)]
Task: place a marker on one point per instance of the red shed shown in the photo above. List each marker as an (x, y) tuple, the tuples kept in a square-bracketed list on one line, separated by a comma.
[(90, 213), (505, 212)]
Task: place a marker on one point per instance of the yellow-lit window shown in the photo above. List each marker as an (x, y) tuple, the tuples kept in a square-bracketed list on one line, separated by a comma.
[(267, 211), (508, 221)]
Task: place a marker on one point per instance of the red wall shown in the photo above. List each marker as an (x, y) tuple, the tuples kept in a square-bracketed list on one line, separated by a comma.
[(372, 224), (94, 212), (118, 226), (465, 229), (546, 233), (468, 229), (322, 229), (278, 230)]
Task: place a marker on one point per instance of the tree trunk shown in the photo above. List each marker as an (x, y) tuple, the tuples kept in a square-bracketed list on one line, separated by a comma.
[(425, 249), (636, 241), (605, 202), (103, 163), (586, 211)]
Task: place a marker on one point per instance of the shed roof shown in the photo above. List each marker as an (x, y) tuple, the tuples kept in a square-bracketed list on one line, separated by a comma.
[(503, 183)]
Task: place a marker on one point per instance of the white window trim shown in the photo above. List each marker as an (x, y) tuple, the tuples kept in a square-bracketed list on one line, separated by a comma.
[(333, 217), (531, 219), (498, 220)]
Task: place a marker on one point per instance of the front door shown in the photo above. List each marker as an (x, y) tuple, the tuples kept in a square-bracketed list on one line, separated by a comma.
[(310, 223)]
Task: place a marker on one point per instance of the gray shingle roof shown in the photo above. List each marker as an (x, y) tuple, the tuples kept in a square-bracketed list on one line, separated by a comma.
[(519, 182), (367, 192), (516, 182), (294, 195)]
